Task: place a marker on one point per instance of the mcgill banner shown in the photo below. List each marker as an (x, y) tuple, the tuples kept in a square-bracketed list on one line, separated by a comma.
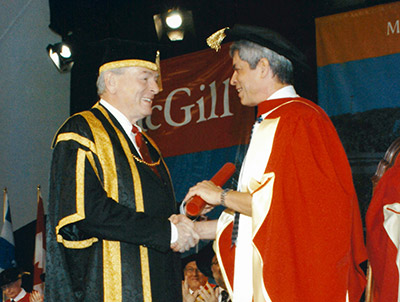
[(198, 121)]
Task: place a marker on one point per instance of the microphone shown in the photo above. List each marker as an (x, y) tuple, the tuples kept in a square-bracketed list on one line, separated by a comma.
[(195, 205)]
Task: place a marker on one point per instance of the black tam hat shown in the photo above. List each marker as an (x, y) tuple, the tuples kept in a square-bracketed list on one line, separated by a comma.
[(203, 259), (11, 275), (119, 53), (262, 36)]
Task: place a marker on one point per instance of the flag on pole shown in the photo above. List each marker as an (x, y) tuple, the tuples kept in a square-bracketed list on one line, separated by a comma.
[(40, 246), (7, 245)]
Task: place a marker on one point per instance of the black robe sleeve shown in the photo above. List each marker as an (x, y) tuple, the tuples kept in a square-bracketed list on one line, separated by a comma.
[(97, 215)]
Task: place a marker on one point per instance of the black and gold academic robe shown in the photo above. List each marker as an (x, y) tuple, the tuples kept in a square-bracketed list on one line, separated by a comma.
[(108, 234)]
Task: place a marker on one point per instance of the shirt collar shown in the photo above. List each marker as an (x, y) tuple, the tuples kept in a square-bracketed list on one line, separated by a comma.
[(285, 92), (282, 95), (21, 294), (120, 117)]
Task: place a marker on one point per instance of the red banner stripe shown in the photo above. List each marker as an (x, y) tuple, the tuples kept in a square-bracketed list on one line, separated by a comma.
[(198, 110)]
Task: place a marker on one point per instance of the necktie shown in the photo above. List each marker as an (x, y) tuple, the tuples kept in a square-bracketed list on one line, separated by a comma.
[(144, 151), (235, 228), (224, 296)]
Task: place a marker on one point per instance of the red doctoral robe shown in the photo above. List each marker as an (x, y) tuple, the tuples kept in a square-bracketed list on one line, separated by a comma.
[(383, 240), (306, 226), (23, 299)]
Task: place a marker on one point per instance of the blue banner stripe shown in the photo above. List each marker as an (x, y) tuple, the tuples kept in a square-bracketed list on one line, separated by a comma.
[(189, 169), (359, 86)]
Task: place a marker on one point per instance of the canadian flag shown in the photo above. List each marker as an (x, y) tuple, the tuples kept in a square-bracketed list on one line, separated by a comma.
[(39, 260)]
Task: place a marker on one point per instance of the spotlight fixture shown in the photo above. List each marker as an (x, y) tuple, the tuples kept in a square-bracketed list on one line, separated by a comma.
[(61, 55), (174, 20), (175, 24)]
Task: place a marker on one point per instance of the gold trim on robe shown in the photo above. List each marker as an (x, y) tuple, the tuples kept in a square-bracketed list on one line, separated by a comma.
[(112, 275), (144, 257), (80, 208)]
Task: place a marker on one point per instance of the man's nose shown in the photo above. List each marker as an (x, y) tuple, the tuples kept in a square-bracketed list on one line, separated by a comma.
[(154, 87), (233, 79)]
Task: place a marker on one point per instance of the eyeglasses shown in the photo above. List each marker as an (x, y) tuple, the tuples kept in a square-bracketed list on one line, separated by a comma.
[(192, 270)]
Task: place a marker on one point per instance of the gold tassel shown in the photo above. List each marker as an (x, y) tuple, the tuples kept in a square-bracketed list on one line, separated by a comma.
[(215, 40), (159, 81)]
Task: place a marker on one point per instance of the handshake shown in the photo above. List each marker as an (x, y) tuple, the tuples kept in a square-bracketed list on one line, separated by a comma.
[(189, 232), (187, 235)]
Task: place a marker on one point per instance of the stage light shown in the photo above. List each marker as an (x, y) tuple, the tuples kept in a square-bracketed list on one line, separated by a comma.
[(61, 55), (175, 24), (174, 20)]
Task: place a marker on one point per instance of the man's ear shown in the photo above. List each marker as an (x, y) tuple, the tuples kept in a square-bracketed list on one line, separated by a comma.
[(110, 81), (263, 64)]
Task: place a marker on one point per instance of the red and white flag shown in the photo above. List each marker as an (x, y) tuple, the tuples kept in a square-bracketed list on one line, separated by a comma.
[(39, 259)]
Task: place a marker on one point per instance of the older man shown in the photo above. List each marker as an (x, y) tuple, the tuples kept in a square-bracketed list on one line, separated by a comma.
[(195, 278), (299, 235), (195, 287), (109, 234)]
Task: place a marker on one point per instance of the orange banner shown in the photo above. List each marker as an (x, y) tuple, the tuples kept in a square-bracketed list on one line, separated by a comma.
[(359, 34), (198, 110)]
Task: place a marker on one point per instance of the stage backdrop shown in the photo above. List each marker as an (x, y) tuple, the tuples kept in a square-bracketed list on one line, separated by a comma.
[(358, 59), (198, 121)]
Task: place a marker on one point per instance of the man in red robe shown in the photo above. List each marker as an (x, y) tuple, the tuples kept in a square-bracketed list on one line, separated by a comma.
[(383, 240), (299, 227), (11, 285)]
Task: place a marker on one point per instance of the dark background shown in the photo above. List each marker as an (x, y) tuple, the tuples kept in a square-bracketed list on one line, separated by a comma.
[(83, 22)]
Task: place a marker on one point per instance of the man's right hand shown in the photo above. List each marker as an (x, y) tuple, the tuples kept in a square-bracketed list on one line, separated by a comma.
[(187, 237)]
